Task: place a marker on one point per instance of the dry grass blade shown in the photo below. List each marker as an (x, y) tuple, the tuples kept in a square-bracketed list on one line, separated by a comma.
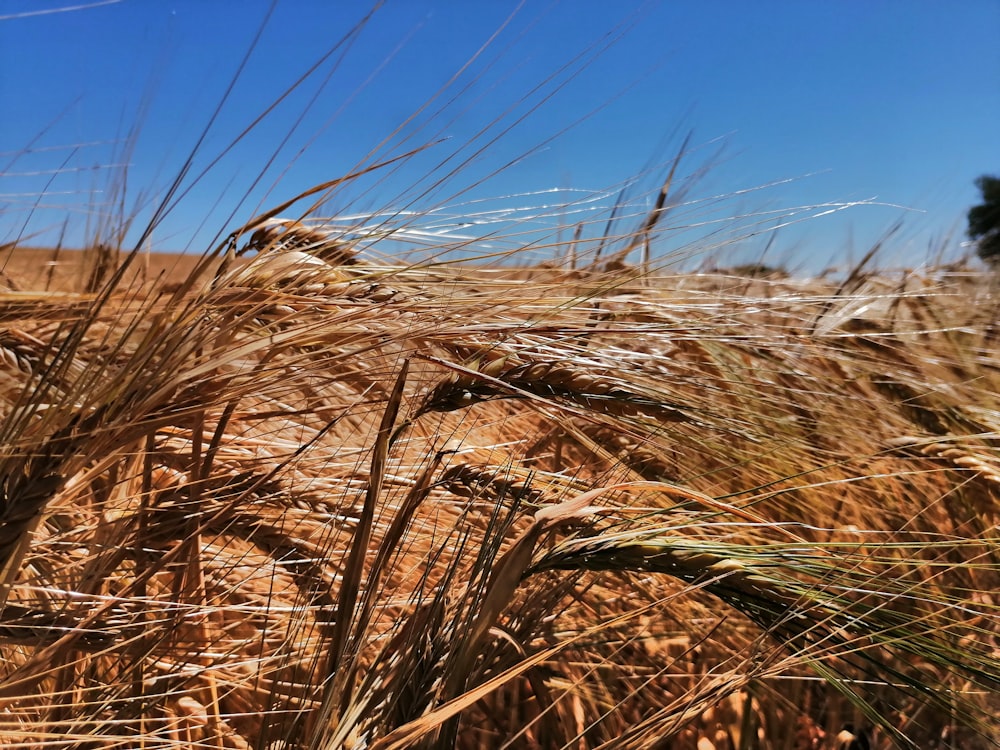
[(643, 235), (340, 666), (500, 378), (508, 571), (826, 613)]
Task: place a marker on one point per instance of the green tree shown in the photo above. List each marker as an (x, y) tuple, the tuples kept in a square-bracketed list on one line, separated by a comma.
[(984, 220)]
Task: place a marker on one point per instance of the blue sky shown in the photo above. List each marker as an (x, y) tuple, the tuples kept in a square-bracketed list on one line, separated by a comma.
[(533, 116)]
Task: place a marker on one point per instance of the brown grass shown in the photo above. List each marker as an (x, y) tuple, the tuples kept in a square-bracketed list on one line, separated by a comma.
[(307, 505)]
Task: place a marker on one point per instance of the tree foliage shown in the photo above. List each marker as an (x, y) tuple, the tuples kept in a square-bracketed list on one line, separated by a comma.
[(984, 219)]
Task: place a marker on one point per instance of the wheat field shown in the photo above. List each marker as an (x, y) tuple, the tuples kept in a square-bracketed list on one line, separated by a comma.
[(295, 496)]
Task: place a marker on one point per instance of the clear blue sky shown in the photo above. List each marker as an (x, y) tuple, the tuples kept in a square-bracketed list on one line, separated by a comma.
[(892, 101)]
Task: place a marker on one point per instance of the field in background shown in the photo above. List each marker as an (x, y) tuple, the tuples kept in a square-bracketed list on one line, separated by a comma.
[(60, 270), (316, 501)]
